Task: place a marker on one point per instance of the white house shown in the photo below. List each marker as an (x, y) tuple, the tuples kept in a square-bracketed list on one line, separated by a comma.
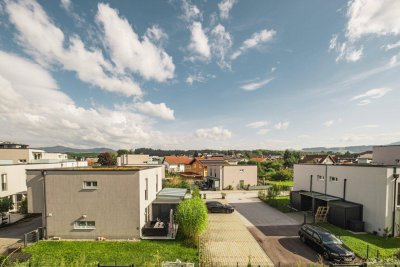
[(374, 188), (22, 154), (224, 176), (13, 178), (176, 163)]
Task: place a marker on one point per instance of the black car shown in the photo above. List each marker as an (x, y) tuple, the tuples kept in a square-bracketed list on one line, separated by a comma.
[(218, 207), (324, 242)]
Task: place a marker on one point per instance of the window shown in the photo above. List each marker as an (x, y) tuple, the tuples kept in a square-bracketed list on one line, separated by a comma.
[(90, 184), (320, 177), (333, 179), (156, 182), (85, 225), (146, 191), (22, 161), (398, 194), (241, 170), (4, 182)]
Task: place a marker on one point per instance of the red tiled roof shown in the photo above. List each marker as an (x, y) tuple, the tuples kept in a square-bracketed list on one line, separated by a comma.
[(259, 159), (178, 159)]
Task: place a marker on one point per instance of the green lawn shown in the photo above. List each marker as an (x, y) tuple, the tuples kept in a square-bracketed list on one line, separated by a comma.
[(384, 248), (280, 203), (90, 253), (282, 183)]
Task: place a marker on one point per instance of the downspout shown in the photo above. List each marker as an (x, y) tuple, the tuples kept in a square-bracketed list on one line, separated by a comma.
[(344, 189), (326, 177), (44, 173), (395, 176)]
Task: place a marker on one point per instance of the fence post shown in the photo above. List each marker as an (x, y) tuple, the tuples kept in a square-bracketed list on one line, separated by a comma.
[(37, 235)]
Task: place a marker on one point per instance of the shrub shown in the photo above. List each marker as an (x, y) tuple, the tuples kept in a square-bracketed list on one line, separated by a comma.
[(282, 175), (24, 206), (196, 192), (192, 217)]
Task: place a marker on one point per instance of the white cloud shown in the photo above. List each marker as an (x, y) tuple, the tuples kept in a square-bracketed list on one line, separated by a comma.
[(263, 131), (220, 44), (255, 40), (347, 51), (367, 97), (273, 69), (256, 85), (214, 133), (157, 110), (47, 44), (393, 61), (391, 46), (281, 125), (199, 42), (128, 52), (329, 123), (198, 77), (66, 4), (225, 7), (156, 34), (257, 124), (372, 17), (35, 111), (190, 12)]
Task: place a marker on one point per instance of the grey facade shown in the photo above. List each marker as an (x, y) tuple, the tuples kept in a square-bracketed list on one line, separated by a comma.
[(91, 203)]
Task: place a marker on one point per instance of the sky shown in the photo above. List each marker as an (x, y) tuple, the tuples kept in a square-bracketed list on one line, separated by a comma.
[(180, 74)]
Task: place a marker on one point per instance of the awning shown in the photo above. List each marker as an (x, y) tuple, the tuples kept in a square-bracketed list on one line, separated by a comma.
[(178, 193)]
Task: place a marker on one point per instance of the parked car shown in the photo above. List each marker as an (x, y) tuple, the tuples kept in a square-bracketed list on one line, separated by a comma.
[(218, 207), (331, 247)]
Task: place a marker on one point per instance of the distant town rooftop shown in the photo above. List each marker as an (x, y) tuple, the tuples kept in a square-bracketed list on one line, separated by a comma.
[(8, 145), (112, 168), (353, 165)]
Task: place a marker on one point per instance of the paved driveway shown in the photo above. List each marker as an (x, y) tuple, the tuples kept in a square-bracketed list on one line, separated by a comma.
[(275, 231), (13, 233)]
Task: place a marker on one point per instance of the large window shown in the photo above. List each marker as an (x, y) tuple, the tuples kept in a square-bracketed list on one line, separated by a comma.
[(90, 184), (4, 182), (85, 225), (333, 179)]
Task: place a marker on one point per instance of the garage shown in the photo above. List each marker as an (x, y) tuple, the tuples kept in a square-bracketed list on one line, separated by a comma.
[(346, 215)]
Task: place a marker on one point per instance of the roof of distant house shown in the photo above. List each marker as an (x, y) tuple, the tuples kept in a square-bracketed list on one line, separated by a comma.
[(259, 159), (178, 159), (316, 158)]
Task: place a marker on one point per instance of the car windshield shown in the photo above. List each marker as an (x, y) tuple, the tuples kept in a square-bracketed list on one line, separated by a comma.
[(330, 239)]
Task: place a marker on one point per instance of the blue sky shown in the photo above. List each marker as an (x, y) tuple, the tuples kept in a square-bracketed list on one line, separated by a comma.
[(228, 74)]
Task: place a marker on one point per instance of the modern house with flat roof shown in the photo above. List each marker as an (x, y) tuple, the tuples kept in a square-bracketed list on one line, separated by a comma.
[(223, 176), (359, 196), (13, 177), (114, 203)]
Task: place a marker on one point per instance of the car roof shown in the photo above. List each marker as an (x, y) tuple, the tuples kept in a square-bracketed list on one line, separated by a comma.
[(317, 229)]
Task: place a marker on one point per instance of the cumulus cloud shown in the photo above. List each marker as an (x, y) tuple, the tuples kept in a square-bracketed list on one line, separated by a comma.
[(199, 45), (52, 48), (190, 12), (220, 44), (34, 109), (128, 52), (217, 133), (281, 125), (157, 110), (225, 7), (257, 124), (367, 97), (255, 40), (256, 85)]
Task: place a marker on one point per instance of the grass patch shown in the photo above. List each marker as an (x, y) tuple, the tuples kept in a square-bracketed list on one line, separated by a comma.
[(379, 247), (280, 183), (281, 203), (90, 253)]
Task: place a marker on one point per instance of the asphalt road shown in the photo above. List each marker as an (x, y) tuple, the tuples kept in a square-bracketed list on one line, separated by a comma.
[(275, 231)]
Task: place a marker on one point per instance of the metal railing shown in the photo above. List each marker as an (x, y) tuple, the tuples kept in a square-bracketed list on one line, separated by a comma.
[(33, 236)]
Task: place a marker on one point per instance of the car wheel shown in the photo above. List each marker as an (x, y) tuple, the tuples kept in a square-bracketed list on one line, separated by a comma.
[(303, 239), (326, 256)]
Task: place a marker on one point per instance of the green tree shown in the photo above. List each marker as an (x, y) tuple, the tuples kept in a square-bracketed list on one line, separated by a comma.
[(290, 158), (5, 204), (107, 159), (282, 175), (24, 206), (192, 217), (121, 152), (196, 192)]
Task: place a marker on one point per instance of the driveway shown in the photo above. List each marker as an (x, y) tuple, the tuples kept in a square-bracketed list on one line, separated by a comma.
[(275, 231), (15, 232)]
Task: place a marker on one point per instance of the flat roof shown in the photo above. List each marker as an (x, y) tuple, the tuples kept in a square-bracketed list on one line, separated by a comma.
[(133, 168), (310, 194), (172, 193), (370, 165), (327, 198)]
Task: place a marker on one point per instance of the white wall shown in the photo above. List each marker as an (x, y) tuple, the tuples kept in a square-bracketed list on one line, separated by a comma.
[(366, 185), (389, 155)]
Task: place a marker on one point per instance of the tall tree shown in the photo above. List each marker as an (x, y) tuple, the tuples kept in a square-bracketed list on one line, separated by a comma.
[(290, 158), (107, 159)]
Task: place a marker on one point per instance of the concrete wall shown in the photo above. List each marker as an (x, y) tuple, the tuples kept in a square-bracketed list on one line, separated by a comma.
[(366, 185), (117, 205), (15, 155), (389, 155), (134, 159), (232, 175)]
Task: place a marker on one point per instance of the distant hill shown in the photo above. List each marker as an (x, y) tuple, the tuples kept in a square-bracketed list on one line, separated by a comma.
[(395, 143), (63, 149), (351, 149)]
